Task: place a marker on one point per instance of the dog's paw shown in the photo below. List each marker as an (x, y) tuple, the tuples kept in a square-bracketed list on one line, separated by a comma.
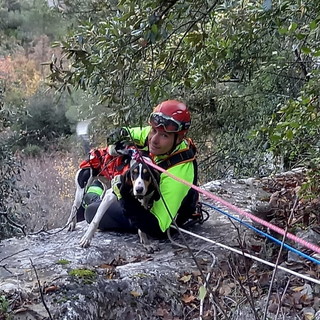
[(71, 225), (85, 242), (151, 247)]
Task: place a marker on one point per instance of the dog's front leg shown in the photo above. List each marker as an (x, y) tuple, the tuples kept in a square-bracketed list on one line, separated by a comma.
[(107, 200), (147, 244), (72, 220), (82, 179)]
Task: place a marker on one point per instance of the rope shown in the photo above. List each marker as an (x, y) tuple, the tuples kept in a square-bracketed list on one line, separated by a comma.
[(264, 234), (215, 198), (249, 256), (252, 217)]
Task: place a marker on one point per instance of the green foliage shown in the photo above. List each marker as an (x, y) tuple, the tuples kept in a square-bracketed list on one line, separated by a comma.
[(294, 131), (43, 122), (85, 275), (238, 66), (4, 308), (82, 273), (39, 19), (132, 47), (32, 151), (81, 106), (22, 21), (9, 173), (63, 262), (310, 189)]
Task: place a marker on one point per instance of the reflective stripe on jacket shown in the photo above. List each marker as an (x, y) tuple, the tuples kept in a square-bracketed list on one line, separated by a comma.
[(95, 189)]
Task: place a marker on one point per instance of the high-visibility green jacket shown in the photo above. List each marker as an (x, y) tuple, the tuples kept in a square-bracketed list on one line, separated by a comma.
[(172, 191)]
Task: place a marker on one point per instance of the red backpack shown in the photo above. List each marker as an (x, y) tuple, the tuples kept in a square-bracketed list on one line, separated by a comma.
[(107, 165)]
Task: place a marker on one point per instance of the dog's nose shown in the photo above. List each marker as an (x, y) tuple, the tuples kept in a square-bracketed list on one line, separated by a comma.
[(139, 190)]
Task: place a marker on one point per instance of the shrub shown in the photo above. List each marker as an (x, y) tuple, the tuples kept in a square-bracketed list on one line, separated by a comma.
[(32, 150), (43, 122)]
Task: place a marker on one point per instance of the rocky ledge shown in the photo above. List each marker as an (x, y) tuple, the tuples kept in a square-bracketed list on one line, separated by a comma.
[(49, 276)]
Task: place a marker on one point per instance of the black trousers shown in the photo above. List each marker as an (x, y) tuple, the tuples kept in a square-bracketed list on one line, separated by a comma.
[(126, 215), (113, 218), (88, 198)]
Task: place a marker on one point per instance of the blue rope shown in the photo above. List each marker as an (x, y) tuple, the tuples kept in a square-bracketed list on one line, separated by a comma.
[(264, 234)]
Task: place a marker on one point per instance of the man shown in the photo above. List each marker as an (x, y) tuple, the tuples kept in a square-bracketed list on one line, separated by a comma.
[(165, 140)]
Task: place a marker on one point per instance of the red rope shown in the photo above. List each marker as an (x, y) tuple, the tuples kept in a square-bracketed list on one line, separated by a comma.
[(269, 225)]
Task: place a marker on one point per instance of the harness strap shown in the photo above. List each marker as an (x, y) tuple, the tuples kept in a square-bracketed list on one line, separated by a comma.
[(183, 156), (179, 157)]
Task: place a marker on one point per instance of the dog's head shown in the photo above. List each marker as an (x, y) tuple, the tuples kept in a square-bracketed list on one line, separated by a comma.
[(142, 181)]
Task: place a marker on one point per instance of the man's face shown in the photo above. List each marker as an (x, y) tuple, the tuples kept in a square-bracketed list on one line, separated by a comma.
[(160, 142)]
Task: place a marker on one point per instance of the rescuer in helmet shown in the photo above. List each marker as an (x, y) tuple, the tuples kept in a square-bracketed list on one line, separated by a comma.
[(166, 142)]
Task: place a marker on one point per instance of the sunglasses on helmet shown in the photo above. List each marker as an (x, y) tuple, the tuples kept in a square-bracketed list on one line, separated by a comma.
[(169, 124)]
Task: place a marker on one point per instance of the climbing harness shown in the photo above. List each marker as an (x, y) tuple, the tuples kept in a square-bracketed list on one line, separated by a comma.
[(182, 156), (198, 217)]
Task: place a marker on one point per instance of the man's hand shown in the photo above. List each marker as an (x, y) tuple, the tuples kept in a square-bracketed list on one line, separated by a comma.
[(117, 149), (118, 135)]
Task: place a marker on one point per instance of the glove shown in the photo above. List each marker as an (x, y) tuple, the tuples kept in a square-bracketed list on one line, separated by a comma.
[(117, 148), (118, 135)]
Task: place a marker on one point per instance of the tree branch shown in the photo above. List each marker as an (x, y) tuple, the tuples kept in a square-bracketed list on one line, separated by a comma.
[(12, 223), (40, 290)]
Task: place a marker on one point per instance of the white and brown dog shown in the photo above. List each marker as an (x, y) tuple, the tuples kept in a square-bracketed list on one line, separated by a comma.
[(140, 182)]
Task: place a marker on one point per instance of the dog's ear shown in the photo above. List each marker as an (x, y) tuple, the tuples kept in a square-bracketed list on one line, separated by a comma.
[(156, 175), (126, 183), (155, 184), (156, 195)]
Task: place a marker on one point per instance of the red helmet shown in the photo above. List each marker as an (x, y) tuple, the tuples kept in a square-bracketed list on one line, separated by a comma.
[(171, 116)]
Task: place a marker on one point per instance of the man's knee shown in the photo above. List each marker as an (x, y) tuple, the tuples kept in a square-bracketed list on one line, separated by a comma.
[(90, 198)]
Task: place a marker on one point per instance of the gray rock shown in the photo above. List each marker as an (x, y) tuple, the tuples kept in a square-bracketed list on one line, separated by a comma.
[(115, 278), (126, 282)]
